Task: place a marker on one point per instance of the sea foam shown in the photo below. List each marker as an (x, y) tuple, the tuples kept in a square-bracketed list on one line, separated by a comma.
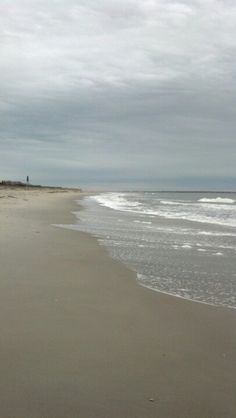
[(179, 250), (216, 200)]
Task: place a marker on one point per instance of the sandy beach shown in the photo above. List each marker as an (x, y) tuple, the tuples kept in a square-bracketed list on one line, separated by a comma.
[(79, 338)]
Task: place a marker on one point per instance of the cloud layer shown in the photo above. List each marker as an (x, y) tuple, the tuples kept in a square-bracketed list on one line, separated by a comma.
[(119, 92)]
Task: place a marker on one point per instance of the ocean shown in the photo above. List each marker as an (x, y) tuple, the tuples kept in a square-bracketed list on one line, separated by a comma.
[(183, 244)]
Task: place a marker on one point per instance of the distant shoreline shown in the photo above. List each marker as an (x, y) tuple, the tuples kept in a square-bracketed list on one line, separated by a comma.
[(24, 186)]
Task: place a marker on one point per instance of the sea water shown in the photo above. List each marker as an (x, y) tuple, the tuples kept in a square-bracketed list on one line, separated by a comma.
[(178, 243)]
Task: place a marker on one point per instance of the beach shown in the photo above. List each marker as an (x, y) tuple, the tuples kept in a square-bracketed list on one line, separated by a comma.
[(81, 338)]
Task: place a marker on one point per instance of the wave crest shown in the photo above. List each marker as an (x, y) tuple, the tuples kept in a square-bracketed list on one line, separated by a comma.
[(216, 200)]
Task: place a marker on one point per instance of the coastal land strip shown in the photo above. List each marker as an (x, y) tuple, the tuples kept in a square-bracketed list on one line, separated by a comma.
[(81, 339)]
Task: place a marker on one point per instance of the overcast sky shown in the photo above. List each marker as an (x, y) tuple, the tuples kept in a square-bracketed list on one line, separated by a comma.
[(119, 93)]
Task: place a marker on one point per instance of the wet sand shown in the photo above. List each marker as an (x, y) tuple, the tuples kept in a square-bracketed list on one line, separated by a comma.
[(80, 338)]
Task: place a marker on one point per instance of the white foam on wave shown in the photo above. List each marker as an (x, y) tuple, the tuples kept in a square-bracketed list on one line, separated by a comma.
[(217, 214), (116, 201), (196, 217), (176, 202), (136, 221), (187, 246), (216, 200), (168, 202), (215, 234)]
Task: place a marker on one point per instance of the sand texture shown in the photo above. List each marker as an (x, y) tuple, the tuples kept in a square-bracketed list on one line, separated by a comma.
[(79, 338)]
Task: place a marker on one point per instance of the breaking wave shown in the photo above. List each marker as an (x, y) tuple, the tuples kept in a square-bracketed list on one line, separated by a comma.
[(216, 200), (218, 211)]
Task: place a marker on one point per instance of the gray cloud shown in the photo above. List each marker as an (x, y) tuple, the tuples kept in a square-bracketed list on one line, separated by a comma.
[(119, 92)]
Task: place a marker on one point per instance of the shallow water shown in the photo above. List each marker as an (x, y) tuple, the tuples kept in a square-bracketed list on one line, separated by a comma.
[(180, 243)]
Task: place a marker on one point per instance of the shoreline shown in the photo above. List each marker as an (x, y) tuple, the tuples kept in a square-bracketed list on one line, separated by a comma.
[(187, 299), (81, 207), (81, 337), (70, 227)]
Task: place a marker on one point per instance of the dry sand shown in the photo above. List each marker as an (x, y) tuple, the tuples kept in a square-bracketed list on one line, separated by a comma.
[(79, 338)]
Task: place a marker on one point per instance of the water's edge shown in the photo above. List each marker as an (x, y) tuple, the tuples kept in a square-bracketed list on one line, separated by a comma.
[(81, 207)]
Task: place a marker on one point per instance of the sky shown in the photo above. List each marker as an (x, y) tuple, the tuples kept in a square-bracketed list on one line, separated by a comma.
[(119, 94)]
